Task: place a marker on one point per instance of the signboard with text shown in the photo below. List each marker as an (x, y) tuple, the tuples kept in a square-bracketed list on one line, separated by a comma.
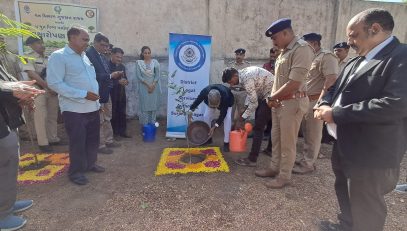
[(188, 68), (52, 21)]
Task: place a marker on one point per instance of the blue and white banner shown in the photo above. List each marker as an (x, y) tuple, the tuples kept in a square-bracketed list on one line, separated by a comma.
[(188, 72)]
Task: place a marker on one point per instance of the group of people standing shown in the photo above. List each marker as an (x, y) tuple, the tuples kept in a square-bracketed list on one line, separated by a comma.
[(87, 83), (93, 99), (113, 84), (362, 101), (364, 106)]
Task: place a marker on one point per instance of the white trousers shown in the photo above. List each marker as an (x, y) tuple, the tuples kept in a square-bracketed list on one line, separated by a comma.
[(211, 113)]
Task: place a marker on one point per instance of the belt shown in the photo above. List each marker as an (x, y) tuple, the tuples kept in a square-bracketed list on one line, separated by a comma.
[(237, 89), (313, 97), (297, 95)]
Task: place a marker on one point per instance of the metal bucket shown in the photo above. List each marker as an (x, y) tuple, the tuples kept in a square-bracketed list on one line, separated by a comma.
[(197, 133)]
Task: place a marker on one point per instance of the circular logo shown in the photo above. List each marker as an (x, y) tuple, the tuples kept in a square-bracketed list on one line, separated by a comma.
[(90, 13), (189, 56)]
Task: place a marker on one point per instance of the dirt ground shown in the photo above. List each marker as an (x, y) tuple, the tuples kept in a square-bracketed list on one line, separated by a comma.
[(129, 197)]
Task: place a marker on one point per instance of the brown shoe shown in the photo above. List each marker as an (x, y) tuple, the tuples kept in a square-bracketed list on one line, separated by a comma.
[(301, 169), (268, 172), (277, 183)]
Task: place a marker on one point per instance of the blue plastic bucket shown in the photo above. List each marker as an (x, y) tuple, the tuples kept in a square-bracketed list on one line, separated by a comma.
[(149, 131)]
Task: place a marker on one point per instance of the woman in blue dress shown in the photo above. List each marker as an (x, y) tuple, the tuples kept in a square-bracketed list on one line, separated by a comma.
[(148, 75)]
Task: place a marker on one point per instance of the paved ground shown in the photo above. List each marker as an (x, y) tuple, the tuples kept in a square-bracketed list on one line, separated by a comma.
[(129, 197)]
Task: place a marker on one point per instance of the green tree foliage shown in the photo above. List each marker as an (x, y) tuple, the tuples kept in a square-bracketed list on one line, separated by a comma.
[(10, 28)]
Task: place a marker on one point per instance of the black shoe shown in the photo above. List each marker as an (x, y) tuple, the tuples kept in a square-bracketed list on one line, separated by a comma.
[(105, 150), (58, 143), (79, 180), (266, 152), (113, 145), (330, 226), (117, 138), (97, 168), (45, 148), (245, 162), (125, 136), (225, 147)]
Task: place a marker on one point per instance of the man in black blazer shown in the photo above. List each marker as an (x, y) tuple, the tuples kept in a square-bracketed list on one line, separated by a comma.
[(118, 94), (366, 111), (95, 54)]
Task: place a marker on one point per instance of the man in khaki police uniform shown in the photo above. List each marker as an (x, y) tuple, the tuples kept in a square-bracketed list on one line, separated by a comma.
[(321, 76), (46, 105), (240, 61), (341, 50), (238, 91), (288, 100)]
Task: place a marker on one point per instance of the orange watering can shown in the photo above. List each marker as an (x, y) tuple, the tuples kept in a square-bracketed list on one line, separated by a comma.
[(238, 138)]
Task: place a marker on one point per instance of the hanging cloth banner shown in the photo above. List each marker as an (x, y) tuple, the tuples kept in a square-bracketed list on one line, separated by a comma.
[(188, 73)]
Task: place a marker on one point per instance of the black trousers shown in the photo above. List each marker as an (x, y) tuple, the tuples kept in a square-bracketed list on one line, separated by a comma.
[(360, 192), (261, 118), (118, 120), (268, 131), (83, 130)]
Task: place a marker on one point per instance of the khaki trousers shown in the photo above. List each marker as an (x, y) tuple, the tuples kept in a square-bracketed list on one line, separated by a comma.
[(45, 118), (106, 130), (312, 132), (28, 129), (284, 133)]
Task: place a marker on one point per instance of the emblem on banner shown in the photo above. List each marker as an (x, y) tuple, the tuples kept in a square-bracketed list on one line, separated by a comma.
[(189, 56), (27, 9), (58, 9)]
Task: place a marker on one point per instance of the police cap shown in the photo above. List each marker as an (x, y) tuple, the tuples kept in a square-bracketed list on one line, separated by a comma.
[(312, 37), (278, 26), (341, 45), (240, 51)]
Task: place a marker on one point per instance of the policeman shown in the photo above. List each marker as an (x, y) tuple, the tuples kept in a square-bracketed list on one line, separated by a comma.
[(321, 76), (288, 100), (341, 50), (46, 105), (238, 91), (240, 61)]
